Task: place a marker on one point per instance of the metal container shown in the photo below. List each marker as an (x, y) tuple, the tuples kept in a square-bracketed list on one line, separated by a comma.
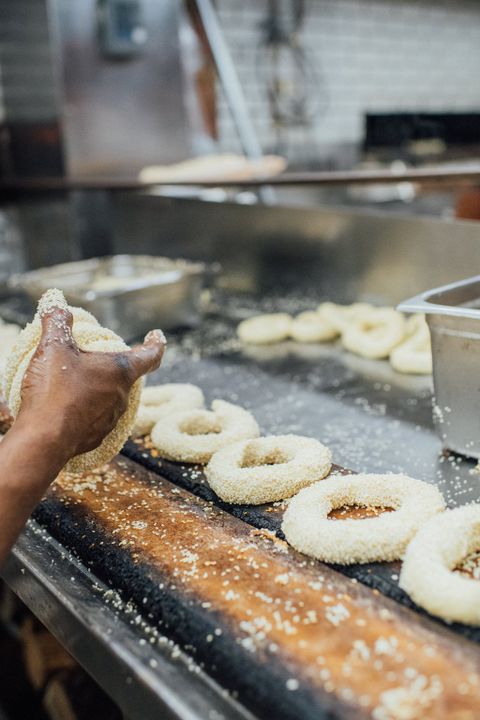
[(453, 316), (129, 294)]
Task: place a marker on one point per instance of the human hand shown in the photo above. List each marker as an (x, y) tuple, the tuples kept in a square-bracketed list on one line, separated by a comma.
[(76, 397)]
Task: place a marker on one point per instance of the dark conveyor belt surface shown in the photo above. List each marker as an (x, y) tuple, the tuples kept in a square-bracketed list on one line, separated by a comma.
[(373, 419), (292, 637)]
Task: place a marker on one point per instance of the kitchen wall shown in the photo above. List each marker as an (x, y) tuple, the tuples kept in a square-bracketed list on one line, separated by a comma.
[(26, 68), (376, 55)]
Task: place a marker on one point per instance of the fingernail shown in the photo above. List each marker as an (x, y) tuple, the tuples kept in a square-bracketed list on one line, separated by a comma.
[(158, 333)]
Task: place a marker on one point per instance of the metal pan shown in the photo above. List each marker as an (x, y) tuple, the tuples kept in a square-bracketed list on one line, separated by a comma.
[(130, 294), (453, 316)]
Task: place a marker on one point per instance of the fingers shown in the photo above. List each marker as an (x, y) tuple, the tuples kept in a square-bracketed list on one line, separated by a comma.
[(57, 328), (144, 358)]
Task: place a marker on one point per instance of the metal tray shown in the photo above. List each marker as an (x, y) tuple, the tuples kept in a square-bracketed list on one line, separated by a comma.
[(130, 294), (453, 316)]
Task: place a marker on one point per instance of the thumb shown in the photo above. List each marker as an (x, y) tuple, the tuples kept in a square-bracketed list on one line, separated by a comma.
[(57, 326), (147, 357)]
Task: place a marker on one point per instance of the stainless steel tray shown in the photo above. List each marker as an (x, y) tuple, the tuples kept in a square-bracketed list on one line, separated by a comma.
[(130, 294), (453, 316)]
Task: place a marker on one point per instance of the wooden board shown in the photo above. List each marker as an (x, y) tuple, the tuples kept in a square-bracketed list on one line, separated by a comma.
[(293, 638)]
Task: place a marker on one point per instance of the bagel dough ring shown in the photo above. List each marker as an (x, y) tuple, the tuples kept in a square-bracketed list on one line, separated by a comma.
[(265, 329), (193, 436), (414, 323), (414, 355), (311, 327), (427, 571), (341, 316), (158, 401), (30, 336), (375, 333), (267, 469), (382, 538), (8, 337), (89, 335), (102, 340)]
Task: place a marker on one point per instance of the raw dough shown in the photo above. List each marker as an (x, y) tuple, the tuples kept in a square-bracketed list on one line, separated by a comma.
[(414, 355), (427, 572), (89, 335), (158, 401), (340, 316), (382, 538), (267, 469), (195, 435), (311, 326), (265, 329), (374, 333)]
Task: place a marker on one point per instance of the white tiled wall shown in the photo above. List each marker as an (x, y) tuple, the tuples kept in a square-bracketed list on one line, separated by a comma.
[(373, 55)]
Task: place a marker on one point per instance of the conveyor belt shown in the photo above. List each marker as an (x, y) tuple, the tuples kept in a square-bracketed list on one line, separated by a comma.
[(291, 637), (372, 418), (380, 576)]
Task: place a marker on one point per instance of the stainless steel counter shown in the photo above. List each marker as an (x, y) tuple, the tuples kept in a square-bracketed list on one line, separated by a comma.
[(144, 672), (372, 418)]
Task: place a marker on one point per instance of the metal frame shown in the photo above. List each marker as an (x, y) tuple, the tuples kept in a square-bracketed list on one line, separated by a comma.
[(427, 302), (144, 679)]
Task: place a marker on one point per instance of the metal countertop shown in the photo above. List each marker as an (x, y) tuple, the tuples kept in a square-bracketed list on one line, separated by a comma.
[(373, 419), (145, 673)]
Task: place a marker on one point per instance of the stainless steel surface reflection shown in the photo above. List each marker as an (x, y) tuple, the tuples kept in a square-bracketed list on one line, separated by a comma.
[(318, 252)]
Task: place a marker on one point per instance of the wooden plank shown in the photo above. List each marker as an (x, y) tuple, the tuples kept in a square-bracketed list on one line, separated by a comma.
[(43, 654), (292, 637)]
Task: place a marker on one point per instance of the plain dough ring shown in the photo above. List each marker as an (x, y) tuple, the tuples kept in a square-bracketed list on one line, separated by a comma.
[(311, 326), (265, 329), (414, 355), (193, 436), (89, 335), (382, 538), (375, 333), (435, 551), (341, 316), (267, 469), (158, 401)]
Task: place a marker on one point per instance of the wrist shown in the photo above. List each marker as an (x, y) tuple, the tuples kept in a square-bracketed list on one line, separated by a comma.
[(45, 438)]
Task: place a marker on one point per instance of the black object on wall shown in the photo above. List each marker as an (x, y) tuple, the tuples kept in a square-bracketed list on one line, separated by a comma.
[(398, 129)]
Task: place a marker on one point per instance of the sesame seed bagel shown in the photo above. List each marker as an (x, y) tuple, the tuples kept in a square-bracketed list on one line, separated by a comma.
[(267, 469), (89, 336), (383, 538), (428, 572), (195, 435), (159, 401)]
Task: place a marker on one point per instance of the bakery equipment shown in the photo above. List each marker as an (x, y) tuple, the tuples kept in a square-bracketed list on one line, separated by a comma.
[(453, 316), (138, 616), (130, 294)]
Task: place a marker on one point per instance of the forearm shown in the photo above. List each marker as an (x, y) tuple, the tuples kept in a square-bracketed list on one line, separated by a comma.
[(30, 459)]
